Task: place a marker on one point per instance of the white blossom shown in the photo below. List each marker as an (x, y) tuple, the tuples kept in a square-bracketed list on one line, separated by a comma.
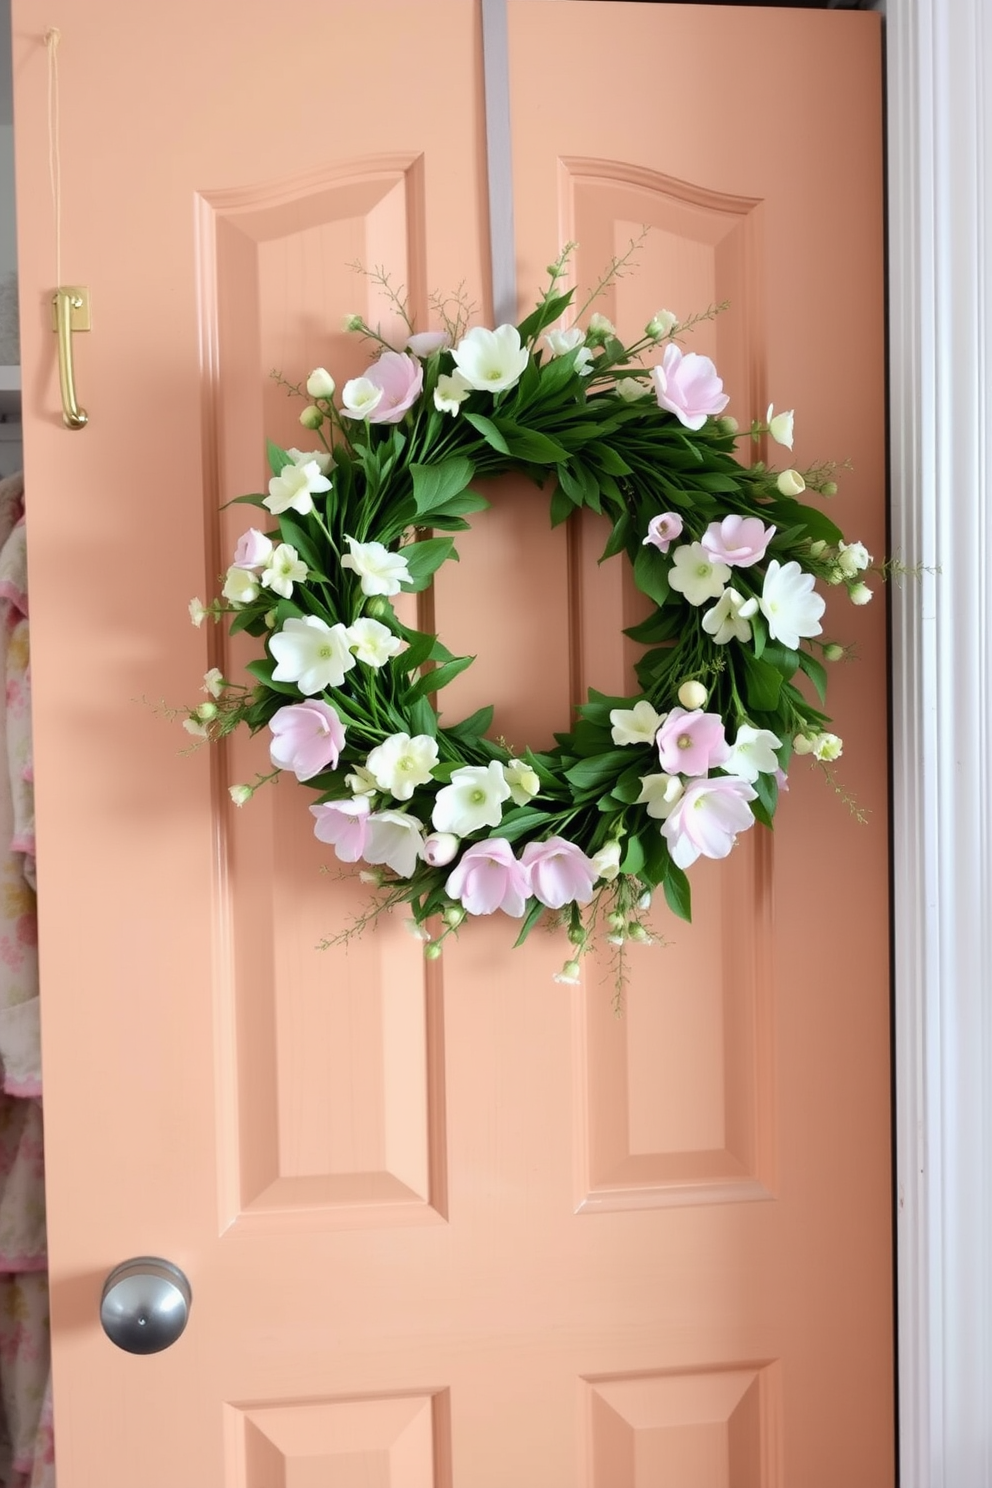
[(696, 575), (321, 458), (240, 794), (561, 342), (789, 603), (729, 617), (373, 642), (295, 487), (283, 569), (395, 839), (661, 324), (380, 571), (629, 389), (852, 559), (213, 682), (473, 799), (311, 653), (523, 781), (450, 392), (827, 747), (606, 862), (859, 594), (780, 425), (491, 361), (320, 383), (400, 763), (360, 397), (790, 483), (660, 793), (636, 725), (360, 782), (240, 586), (197, 613), (752, 753)]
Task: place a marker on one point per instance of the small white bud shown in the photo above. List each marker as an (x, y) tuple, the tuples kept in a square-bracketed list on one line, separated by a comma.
[(206, 711), (780, 425), (817, 548), (197, 613), (240, 794), (432, 952), (213, 682), (692, 695), (195, 727), (661, 324), (569, 974), (353, 323), (860, 594), (790, 483), (311, 417), (833, 652), (803, 744), (320, 383), (453, 915)]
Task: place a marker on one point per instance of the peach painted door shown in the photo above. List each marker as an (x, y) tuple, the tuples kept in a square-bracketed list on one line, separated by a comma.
[(447, 1225)]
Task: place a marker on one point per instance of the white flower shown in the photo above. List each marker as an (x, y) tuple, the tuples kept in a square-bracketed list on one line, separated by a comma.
[(381, 571), (372, 642), (570, 974), (283, 570), (606, 862), (560, 343), (630, 389), (523, 781), (320, 383), (692, 695), (752, 753), (600, 327), (852, 559), (728, 619), (197, 613), (789, 603), (239, 794), (450, 392), (828, 747), (661, 324), (491, 361), (311, 653), (696, 575), (196, 728), (790, 483), (660, 793), (360, 782), (295, 487), (320, 458), (213, 682), (474, 799), (394, 838), (780, 425), (360, 397), (860, 594), (636, 725), (240, 586), (400, 763)]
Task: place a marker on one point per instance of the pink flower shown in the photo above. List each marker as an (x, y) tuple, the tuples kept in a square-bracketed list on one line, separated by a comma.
[(490, 878), (738, 541), (687, 385), (401, 380), (425, 343), (559, 872), (663, 530), (691, 743), (707, 818), (253, 550), (344, 824), (307, 738)]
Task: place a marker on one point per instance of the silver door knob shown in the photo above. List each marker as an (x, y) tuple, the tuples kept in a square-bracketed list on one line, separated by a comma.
[(145, 1305)]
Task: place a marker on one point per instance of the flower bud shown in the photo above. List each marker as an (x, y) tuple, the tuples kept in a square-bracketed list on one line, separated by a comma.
[(616, 921), (860, 594), (377, 607), (835, 575), (577, 935), (320, 383), (196, 728), (239, 794), (790, 483), (213, 682), (644, 902), (571, 970), (453, 915), (637, 933), (728, 424), (829, 488), (629, 389), (419, 932), (692, 695), (833, 652), (802, 744), (780, 426), (206, 711), (353, 323), (311, 417), (432, 952), (606, 862), (270, 619), (817, 548), (661, 324), (827, 747), (439, 849), (197, 613), (370, 876)]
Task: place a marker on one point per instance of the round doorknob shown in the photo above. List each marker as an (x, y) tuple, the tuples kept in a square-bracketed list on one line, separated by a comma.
[(145, 1304)]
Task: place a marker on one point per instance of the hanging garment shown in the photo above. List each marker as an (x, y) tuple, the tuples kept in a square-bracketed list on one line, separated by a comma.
[(26, 1451)]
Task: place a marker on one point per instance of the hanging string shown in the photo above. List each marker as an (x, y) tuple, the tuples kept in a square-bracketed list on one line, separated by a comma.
[(52, 38)]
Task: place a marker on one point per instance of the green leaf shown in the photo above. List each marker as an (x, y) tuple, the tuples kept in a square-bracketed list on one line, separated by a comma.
[(578, 482), (651, 575), (489, 432), (607, 459), (819, 527), (663, 625), (423, 559), (759, 634), (263, 668), (531, 445), (561, 506), (547, 311), (678, 894), (423, 719), (278, 458), (762, 684), (767, 788), (633, 859), (617, 540), (253, 500), (435, 485), (816, 672), (531, 918), (521, 821), (718, 483), (419, 647), (438, 677), (599, 769), (300, 540), (473, 727)]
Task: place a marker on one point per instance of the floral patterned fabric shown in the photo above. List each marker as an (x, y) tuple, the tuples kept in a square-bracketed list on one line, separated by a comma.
[(26, 1442)]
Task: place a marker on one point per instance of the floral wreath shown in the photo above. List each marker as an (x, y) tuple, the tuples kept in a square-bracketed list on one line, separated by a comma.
[(451, 822)]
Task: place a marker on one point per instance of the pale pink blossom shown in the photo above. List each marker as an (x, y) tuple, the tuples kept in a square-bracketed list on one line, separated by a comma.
[(691, 743), (400, 379), (425, 343), (663, 530), (395, 839), (738, 541), (687, 385), (707, 819), (253, 550), (343, 824), (560, 872), (307, 738), (490, 878)]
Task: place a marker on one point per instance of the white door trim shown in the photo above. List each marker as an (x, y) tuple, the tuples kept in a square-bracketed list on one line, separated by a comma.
[(940, 203)]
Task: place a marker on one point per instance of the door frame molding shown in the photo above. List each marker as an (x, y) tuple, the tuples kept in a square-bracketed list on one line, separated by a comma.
[(940, 235)]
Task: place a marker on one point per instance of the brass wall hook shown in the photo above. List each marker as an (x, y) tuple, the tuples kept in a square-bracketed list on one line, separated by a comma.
[(70, 312)]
